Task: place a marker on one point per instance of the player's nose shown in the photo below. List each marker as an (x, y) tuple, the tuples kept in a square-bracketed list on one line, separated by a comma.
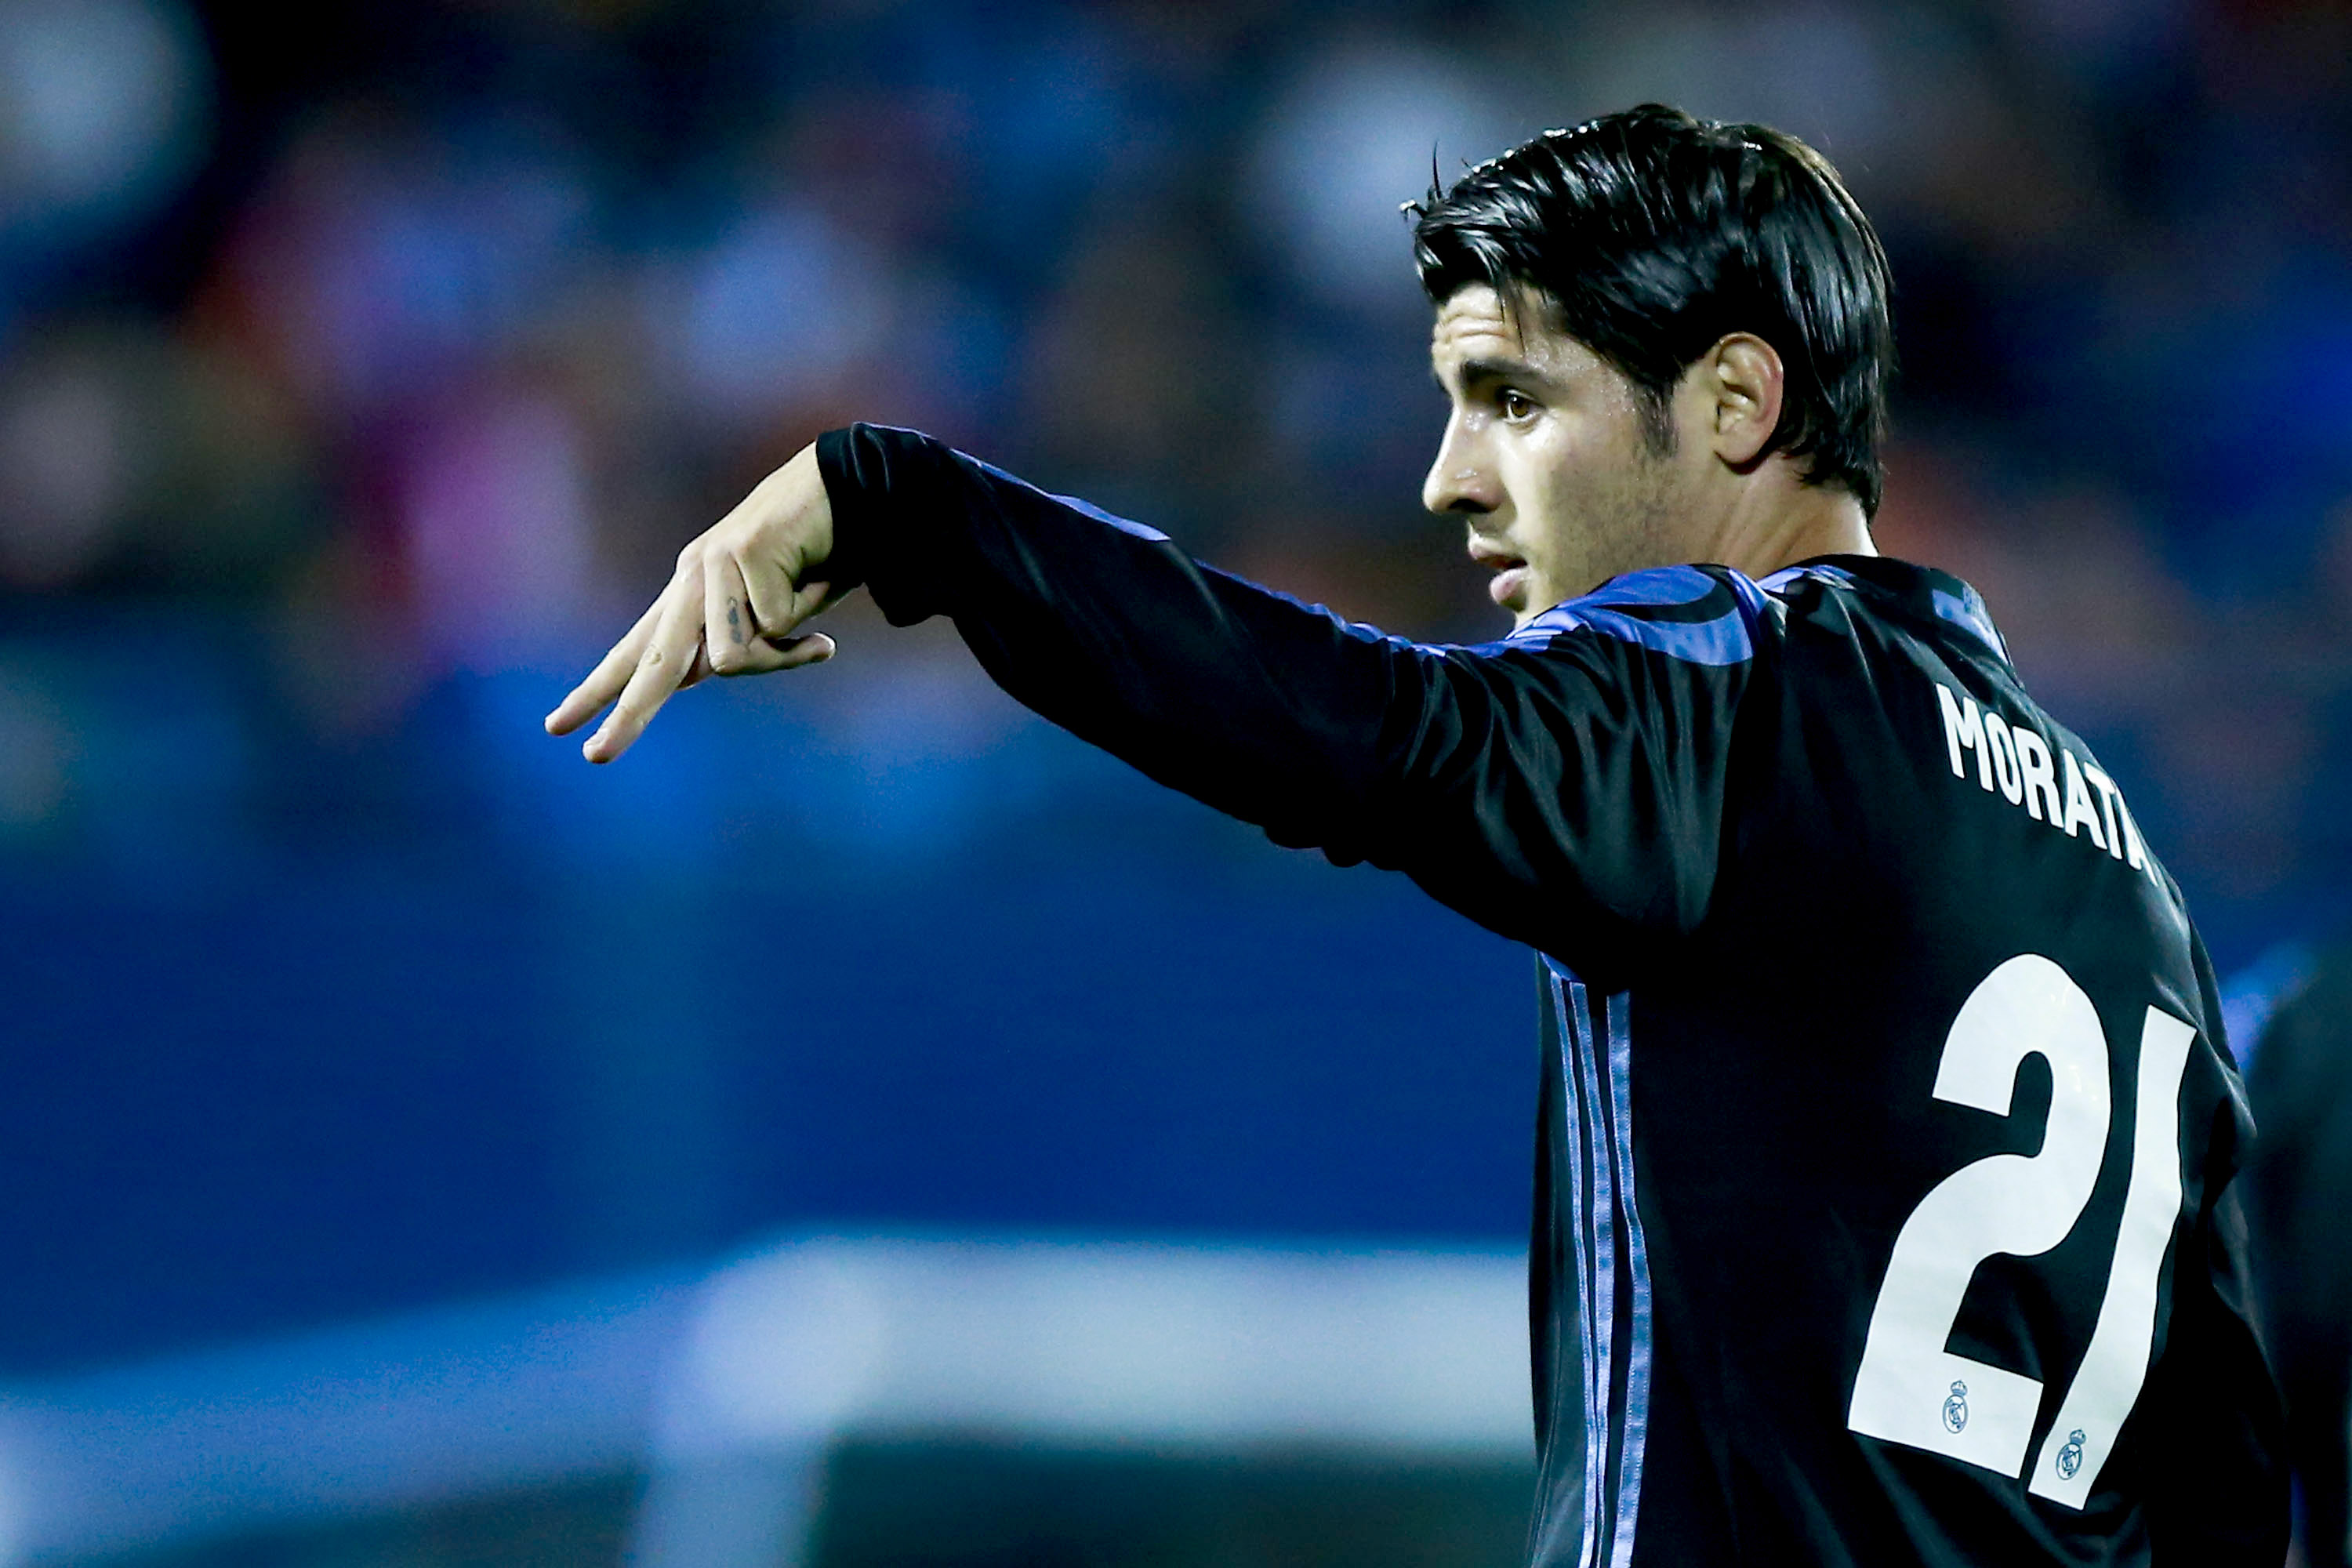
[(1459, 481)]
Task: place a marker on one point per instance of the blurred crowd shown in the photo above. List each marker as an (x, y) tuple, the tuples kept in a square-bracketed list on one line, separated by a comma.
[(362, 366), (414, 338)]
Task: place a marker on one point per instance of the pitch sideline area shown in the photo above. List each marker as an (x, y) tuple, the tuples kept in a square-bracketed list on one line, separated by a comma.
[(726, 1390)]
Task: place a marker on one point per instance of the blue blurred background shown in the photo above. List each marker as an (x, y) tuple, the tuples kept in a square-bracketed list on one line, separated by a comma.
[(361, 367)]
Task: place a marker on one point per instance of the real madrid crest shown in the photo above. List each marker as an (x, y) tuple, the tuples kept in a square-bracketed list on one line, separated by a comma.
[(2070, 1457), (1955, 1408)]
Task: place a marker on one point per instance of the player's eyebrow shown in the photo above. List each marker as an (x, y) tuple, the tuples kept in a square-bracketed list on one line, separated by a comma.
[(1477, 373)]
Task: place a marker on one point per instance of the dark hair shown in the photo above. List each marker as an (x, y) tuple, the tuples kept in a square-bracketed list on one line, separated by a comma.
[(1650, 235)]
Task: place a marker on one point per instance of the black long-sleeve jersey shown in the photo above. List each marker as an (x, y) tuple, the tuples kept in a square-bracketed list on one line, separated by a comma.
[(1884, 1208)]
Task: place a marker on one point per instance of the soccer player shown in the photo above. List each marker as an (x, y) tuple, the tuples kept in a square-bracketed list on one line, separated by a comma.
[(1883, 1202)]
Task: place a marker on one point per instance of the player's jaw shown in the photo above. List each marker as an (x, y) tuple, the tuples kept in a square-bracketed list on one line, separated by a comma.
[(1568, 525), (1576, 526), (1511, 582)]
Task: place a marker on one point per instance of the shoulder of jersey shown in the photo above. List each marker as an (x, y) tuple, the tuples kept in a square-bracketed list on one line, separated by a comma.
[(1933, 599), (1699, 614)]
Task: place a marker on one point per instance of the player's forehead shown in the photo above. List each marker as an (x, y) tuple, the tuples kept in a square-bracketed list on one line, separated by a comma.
[(1478, 325)]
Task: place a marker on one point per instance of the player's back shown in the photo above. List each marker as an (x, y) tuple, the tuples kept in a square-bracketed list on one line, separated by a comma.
[(1927, 1119)]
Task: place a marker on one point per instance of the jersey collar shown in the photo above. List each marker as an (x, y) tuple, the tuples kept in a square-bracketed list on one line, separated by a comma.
[(1925, 591)]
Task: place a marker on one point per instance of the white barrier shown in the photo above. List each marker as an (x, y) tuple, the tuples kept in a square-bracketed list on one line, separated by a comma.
[(727, 1387)]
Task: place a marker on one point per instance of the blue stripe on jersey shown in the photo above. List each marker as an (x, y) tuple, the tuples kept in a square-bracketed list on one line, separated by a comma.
[(1604, 1224), (1637, 1352), (1969, 615), (1600, 1216), (1721, 641), (1656, 586), (1725, 639), (1822, 571), (1548, 1547), (1140, 530)]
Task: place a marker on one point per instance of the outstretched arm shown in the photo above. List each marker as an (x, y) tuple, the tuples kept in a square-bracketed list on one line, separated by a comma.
[(1562, 788), (1231, 693)]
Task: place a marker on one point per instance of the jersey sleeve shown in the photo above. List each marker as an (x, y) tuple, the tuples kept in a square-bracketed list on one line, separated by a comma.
[(1564, 787)]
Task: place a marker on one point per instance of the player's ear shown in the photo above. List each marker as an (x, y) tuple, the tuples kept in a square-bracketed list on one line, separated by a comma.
[(1743, 378)]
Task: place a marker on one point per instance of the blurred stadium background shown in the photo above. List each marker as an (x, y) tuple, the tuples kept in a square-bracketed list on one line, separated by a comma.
[(361, 366)]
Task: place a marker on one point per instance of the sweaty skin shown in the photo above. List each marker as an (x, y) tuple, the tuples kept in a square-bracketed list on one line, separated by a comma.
[(1544, 457)]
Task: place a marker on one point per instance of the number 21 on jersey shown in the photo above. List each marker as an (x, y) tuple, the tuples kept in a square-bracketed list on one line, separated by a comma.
[(1913, 1391)]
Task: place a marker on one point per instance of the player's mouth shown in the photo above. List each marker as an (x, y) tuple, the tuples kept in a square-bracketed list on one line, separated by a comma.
[(1509, 588)]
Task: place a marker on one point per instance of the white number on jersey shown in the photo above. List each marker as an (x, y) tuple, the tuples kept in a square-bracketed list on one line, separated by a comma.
[(1911, 1389)]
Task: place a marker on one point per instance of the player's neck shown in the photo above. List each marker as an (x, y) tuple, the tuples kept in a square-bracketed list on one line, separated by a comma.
[(1781, 521)]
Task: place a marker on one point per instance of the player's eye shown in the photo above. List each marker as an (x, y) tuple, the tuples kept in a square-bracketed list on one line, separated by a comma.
[(1514, 405)]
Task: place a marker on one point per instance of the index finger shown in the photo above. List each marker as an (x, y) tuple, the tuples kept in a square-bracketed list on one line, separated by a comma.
[(666, 661), (604, 682)]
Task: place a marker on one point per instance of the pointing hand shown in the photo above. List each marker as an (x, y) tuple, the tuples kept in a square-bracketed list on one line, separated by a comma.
[(739, 591)]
